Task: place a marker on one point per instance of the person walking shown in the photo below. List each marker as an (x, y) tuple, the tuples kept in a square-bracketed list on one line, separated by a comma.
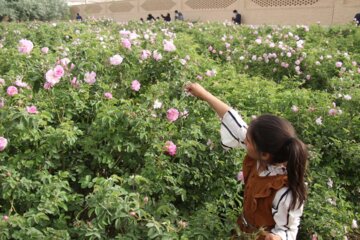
[(78, 17), (179, 15)]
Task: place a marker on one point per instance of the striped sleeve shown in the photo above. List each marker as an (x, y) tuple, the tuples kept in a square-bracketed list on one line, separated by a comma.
[(286, 221), (233, 130)]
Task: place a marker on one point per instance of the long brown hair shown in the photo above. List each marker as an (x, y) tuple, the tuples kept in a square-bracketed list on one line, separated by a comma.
[(276, 136)]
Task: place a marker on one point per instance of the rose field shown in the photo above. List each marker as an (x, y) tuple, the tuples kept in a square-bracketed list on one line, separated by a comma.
[(99, 140)]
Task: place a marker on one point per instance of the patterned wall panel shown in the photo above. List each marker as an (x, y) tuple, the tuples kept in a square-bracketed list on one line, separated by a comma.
[(93, 9), (155, 5), (351, 3), (74, 10), (284, 3), (209, 4), (254, 11), (120, 7)]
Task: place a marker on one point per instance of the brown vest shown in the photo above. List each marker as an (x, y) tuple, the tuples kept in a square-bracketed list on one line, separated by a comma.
[(258, 197)]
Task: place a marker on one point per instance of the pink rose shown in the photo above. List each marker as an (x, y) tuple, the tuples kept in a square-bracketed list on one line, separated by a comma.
[(157, 56), (182, 224), (338, 64), (2, 81), (157, 104), (50, 77), (347, 97), (21, 84), (12, 90), (210, 73), (126, 43), (32, 110), (172, 114), (90, 77), (354, 224), (135, 85), (182, 61), (294, 109), (25, 46), (47, 86), (65, 61), (332, 112), (145, 54), (108, 95), (318, 121), (169, 46), (184, 114), (124, 33), (58, 71), (45, 50), (240, 176), (284, 65), (74, 83), (3, 143), (116, 60), (170, 148)]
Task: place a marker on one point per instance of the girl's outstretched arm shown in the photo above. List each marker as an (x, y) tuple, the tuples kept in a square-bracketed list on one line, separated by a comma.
[(233, 128), (200, 92)]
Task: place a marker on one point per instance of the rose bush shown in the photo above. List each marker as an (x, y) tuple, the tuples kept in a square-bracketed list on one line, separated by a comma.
[(100, 141)]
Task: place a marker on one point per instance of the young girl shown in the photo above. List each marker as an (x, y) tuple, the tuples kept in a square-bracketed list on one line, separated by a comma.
[(273, 169)]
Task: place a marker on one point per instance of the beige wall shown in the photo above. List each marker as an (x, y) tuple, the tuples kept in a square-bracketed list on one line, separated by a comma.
[(290, 12)]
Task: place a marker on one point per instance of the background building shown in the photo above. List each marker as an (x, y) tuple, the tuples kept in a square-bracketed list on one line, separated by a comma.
[(326, 12)]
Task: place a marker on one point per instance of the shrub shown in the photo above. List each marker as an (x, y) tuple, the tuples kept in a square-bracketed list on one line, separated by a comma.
[(25, 10), (87, 154)]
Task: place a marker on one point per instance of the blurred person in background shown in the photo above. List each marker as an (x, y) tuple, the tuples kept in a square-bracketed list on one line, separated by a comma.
[(150, 17), (78, 17), (357, 18), (237, 18), (179, 15), (166, 18)]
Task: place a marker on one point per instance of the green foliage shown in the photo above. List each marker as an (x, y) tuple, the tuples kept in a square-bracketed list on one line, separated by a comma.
[(88, 167), (28, 10)]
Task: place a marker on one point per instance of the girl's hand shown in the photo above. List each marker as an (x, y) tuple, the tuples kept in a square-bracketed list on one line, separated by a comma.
[(270, 236), (197, 90)]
